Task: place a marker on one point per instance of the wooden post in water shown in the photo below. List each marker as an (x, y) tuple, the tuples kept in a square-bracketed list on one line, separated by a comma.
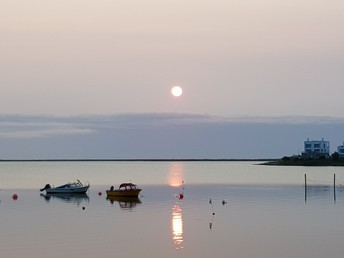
[(305, 188), (334, 187)]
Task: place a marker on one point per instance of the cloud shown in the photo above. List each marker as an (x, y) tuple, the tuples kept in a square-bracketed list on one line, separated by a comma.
[(174, 118), (43, 133), (17, 126), (21, 127), (161, 135), (283, 119)]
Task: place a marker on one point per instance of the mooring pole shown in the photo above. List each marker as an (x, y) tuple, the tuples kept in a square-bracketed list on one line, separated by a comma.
[(305, 188), (334, 187)]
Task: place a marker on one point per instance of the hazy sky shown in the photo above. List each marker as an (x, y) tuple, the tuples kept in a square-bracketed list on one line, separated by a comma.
[(233, 58)]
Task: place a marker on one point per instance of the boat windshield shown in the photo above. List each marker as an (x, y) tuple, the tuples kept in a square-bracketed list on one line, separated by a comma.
[(75, 184), (128, 186)]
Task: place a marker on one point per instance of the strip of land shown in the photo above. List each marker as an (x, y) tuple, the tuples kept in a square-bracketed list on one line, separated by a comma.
[(80, 160), (305, 162)]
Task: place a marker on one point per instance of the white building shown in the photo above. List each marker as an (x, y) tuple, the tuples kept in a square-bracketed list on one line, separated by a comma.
[(316, 149), (340, 150)]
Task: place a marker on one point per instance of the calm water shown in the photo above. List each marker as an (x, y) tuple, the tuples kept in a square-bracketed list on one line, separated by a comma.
[(266, 211)]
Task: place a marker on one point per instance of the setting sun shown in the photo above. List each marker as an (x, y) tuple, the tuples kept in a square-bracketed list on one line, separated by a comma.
[(177, 91)]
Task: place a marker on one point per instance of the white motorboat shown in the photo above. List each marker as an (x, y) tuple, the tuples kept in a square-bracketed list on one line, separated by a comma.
[(75, 187)]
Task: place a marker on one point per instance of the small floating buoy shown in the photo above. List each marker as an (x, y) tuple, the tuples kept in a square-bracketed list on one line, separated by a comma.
[(224, 202), (100, 193), (83, 207), (180, 196), (15, 197)]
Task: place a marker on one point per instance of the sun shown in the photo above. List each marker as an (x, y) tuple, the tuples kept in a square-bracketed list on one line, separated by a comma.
[(176, 91)]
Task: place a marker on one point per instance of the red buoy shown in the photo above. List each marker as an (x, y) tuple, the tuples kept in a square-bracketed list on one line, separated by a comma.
[(180, 196), (100, 193), (15, 197)]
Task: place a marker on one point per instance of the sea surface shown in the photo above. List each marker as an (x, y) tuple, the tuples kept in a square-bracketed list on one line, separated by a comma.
[(229, 209)]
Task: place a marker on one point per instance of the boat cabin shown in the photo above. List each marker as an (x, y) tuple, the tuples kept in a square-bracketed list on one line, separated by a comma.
[(128, 186)]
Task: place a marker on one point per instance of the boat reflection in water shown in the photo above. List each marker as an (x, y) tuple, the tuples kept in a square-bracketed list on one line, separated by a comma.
[(76, 198), (177, 226), (124, 202)]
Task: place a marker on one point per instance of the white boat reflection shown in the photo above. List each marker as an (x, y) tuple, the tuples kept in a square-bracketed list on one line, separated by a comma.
[(68, 198), (177, 226), (124, 202)]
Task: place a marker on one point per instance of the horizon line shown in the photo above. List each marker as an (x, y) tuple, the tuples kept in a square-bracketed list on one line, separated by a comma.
[(134, 160)]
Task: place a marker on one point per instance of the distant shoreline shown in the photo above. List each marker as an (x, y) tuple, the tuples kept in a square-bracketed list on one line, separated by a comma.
[(306, 163), (265, 162), (131, 160)]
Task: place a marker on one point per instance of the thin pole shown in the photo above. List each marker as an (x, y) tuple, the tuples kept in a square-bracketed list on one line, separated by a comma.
[(334, 187), (212, 207), (305, 188)]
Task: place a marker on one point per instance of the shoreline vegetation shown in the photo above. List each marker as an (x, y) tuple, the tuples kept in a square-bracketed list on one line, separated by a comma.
[(333, 160), (305, 163)]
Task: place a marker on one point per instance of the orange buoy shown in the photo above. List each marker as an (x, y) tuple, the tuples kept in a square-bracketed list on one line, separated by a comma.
[(15, 197)]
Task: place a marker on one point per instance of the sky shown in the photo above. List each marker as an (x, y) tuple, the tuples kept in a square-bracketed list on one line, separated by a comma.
[(247, 69)]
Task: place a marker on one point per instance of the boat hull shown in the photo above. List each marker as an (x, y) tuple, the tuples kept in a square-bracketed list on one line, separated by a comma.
[(124, 193), (80, 190)]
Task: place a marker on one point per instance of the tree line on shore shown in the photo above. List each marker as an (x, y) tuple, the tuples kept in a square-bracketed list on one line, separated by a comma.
[(297, 160)]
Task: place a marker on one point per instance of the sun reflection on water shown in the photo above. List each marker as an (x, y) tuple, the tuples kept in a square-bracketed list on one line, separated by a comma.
[(177, 226), (176, 174)]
